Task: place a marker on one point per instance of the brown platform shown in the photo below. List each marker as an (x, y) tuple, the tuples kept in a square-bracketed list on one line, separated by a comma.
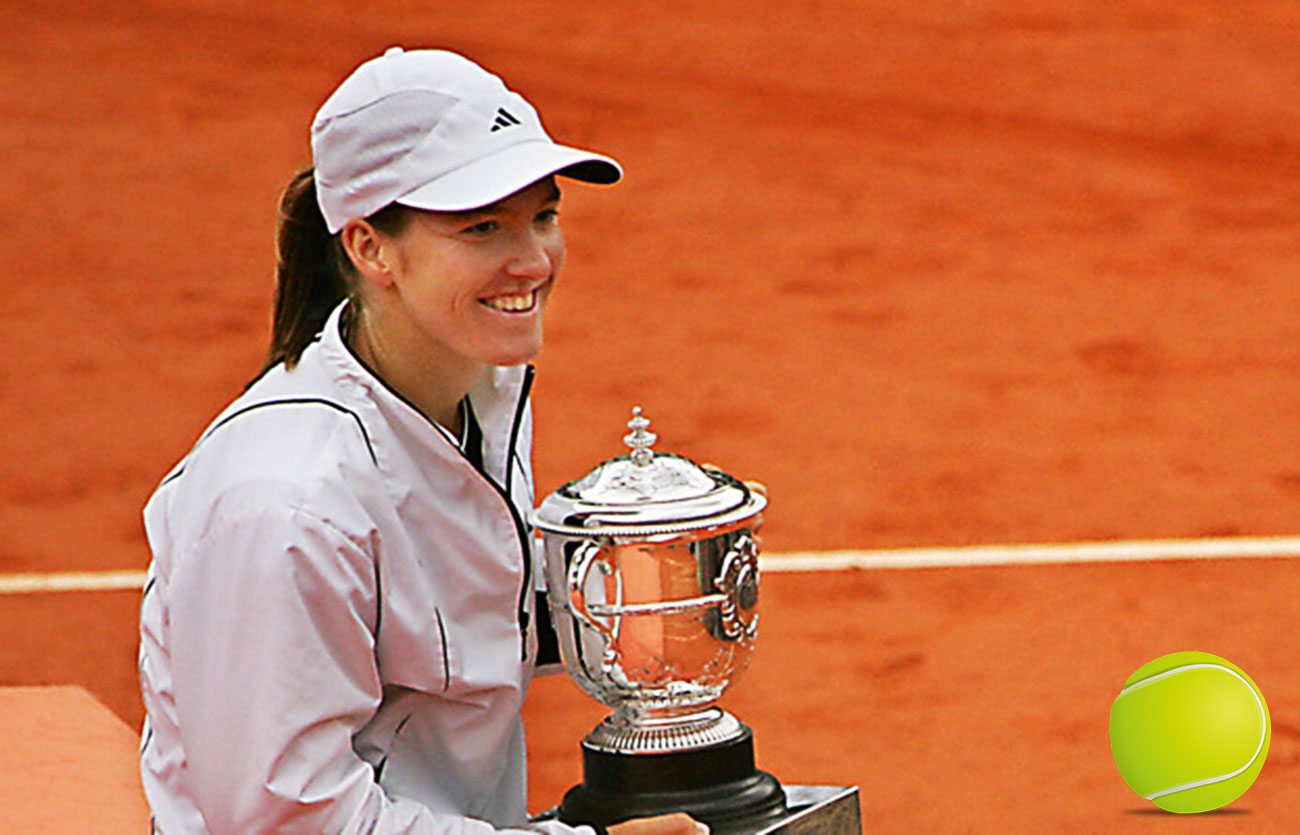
[(69, 765)]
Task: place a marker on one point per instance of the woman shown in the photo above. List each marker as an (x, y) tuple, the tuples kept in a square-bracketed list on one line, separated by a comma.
[(340, 624)]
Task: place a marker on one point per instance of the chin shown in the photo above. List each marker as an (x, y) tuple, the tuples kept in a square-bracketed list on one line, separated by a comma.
[(518, 356)]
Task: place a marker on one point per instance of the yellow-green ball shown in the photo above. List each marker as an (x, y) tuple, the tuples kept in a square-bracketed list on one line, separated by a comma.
[(1189, 732)]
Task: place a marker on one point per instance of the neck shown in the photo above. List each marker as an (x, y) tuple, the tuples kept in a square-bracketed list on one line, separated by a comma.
[(432, 380)]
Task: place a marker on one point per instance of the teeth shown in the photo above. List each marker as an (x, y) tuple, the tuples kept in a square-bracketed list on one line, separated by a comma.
[(511, 304)]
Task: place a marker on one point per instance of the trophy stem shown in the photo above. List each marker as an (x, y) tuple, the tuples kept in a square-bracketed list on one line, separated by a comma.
[(717, 784), (623, 733)]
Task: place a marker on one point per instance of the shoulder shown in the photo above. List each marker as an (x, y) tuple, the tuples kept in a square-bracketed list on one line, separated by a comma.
[(286, 430), (290, 441)]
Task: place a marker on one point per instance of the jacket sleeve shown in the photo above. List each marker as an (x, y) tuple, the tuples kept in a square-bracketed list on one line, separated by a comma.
[(272, 623)]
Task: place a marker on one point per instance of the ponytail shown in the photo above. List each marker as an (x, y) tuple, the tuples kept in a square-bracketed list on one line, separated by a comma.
[(309, 273), (312, 271)]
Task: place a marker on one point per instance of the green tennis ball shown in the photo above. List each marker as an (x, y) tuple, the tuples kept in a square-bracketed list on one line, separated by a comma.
[(1189, 732)]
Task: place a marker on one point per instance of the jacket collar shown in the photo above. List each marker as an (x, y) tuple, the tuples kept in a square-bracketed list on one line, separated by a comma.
[(494, 397)]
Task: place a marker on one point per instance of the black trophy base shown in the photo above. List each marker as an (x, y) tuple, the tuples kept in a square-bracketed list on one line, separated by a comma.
[(718, 785)]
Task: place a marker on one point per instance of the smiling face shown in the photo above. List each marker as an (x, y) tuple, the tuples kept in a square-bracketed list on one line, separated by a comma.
[(475, 283), (444, 295)]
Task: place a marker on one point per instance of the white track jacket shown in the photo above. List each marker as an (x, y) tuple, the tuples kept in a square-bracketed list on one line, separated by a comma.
[(335, 631)]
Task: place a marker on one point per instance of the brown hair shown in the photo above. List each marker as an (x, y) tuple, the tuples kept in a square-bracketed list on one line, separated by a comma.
[(312, 271)]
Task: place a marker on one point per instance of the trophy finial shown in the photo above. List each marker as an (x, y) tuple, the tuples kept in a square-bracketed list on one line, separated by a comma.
[(639, 439)]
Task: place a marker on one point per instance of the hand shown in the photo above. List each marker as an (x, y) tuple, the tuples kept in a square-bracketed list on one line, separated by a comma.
[(677, 823)]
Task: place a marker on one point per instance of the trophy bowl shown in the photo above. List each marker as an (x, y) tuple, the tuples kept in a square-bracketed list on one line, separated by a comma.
[(652, 583)]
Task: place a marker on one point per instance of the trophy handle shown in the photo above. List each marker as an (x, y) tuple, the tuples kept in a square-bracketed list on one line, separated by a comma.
[(738, 582), (584, 558)]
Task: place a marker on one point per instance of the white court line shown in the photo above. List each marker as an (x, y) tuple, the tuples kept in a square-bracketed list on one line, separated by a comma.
[(1078, 552), (71, 581), (896, 558)]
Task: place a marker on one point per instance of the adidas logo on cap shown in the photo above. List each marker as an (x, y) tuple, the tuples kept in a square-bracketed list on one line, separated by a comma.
[(504, 119)]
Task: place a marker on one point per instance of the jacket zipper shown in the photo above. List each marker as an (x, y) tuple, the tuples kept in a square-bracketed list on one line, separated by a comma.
[(521, 528), (525, 539)]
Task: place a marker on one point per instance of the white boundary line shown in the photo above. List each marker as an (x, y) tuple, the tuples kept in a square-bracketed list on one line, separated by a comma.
[(897, 558), (1080, 552), (71, 581)]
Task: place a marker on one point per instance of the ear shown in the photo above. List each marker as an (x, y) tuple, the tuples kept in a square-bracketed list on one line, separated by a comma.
[(369, 250)]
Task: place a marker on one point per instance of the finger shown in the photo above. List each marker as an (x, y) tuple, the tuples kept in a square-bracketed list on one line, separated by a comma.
[(677, 823)]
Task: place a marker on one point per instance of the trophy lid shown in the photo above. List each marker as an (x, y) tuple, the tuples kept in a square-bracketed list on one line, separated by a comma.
[(646, 492)]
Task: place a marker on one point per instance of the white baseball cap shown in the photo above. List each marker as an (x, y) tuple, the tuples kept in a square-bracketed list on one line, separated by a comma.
[(432, 130)]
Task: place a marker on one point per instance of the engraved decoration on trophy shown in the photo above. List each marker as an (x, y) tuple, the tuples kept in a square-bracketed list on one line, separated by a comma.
[(653, 582)]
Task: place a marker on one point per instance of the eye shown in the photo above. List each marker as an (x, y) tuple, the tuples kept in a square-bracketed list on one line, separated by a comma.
[(548, 215), (486, 227)]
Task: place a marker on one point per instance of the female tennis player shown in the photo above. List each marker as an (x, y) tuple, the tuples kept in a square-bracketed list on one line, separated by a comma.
[(340, 624)]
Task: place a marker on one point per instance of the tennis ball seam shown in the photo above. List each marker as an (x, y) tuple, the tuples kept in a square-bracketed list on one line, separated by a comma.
[(1263, 717)]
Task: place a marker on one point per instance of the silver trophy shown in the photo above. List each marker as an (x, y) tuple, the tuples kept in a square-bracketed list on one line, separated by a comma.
[(652, 575)]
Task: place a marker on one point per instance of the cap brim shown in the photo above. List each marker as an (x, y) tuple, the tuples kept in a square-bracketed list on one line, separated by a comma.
[(497, 176)]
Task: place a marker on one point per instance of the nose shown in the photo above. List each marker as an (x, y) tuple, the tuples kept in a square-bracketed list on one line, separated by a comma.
[(534, 256)]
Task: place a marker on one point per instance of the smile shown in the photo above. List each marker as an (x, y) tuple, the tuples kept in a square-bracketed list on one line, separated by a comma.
[(522, 303)]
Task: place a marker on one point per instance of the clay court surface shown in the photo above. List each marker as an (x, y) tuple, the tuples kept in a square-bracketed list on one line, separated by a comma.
[(939, 273)]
